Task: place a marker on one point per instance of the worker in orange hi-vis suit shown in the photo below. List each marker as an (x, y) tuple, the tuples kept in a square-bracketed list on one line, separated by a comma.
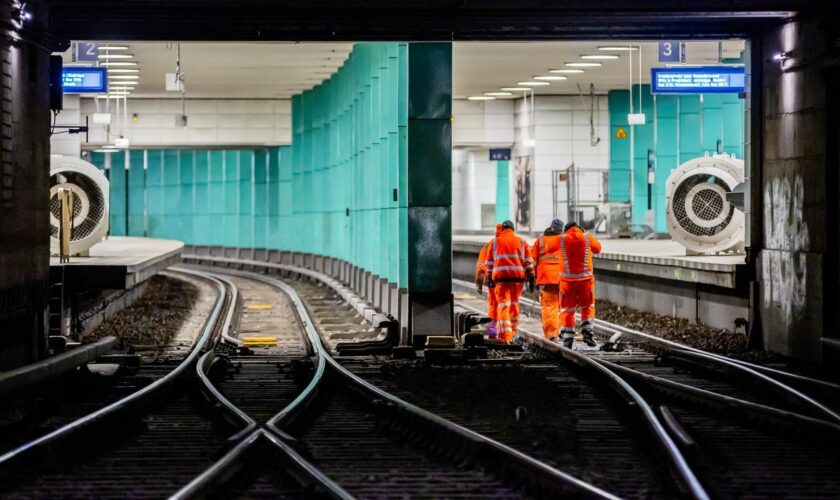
[(577, 283), (482, 276), (510, 268), (548, 265)]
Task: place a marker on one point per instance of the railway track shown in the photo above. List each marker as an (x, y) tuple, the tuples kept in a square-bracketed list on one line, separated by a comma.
[(344, 437), (736, 433)]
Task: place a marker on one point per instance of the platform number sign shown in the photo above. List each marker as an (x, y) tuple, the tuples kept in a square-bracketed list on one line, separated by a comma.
[(670, 51), (87, 51)]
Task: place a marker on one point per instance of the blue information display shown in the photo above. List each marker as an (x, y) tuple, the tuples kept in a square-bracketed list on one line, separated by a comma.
[(697, 80), (84, 80)]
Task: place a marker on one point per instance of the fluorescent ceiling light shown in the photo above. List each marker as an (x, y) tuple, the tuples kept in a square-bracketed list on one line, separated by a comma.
[(119, 70), (480, 98), (583, 64), (115, 56), (119, 93), (118, 63), (123, 77), (532, 84), (618, 48), (106, 151), (566, 71), (499, 94), (602, 57), (121, 87), (516, 89), (552, 78), (105, 48)]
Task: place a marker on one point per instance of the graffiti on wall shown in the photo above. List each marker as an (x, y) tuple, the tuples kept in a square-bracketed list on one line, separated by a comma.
[(522, 171), (784, 270)]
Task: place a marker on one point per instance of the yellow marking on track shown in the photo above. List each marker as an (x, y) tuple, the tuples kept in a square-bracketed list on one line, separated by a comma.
[(258, 306), (260, 341)]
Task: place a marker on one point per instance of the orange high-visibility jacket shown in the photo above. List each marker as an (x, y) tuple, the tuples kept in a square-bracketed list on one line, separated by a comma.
[(481, 266), (576, 249), (548, 259), (510, 258)]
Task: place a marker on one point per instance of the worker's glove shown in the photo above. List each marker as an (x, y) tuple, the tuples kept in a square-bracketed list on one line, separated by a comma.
[(479, 283), (490, 283), (532, 283)]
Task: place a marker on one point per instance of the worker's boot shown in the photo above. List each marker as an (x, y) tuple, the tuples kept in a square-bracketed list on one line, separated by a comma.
[(589, 338), (568, 340)]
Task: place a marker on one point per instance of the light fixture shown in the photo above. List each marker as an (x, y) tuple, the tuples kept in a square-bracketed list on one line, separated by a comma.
[(481, 98), (115, 56), (583, 65), (121, 87), (122, 70), (106, 151), (532, 84), (108, 48), (601, 57), (516, 89), (118, 63), (617, 48), (781, 57), (566, 71), (499, 94), (123, 77), (552, 78)]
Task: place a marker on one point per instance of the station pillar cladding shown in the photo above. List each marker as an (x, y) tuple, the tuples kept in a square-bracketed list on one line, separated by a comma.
[(798, 231), (24, 183), (429, 188)]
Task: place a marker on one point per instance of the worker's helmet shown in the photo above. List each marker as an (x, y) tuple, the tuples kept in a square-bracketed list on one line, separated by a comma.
[(570, 225), (507, 225)]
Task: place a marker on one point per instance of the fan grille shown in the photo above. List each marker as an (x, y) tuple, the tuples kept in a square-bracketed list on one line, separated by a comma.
[(707, 205), (95, 210)]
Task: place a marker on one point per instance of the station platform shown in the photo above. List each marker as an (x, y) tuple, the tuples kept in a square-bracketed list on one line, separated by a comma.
[(119, 263), (651, 275)]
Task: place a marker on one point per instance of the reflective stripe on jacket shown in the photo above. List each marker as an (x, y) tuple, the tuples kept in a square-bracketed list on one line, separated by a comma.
[(511, 258), (548, 260), (576, 249)]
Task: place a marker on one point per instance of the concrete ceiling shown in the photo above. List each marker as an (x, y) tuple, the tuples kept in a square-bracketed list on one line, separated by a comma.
[(281, 70), (480, 67), (235, 70)]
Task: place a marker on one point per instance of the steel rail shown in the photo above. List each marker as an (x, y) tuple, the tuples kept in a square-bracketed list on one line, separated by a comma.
[(250, 435), (539, 474), (53, 439), (677, 462), (760, 373)]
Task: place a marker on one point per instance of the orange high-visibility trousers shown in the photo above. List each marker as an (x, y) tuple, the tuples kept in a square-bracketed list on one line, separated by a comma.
[(492, 306), (550, 305), (576, 294), (507, 308)]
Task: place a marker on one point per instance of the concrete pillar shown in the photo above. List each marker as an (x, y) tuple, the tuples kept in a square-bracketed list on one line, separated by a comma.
[(24, 186), (502, 191), (430, 189), (799, 181)]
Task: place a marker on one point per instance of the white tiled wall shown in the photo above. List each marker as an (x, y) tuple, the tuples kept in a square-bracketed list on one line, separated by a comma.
[(211, 122), (473, 184), (482, 123), (561, 134)]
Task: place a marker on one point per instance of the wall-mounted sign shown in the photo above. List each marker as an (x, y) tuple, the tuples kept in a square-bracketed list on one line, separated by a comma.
[(697, 80), (500, 154), (621, 133), (670, 51), (87, 51), (84, 80)]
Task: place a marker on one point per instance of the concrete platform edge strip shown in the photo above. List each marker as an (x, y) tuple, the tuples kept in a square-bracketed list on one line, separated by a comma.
[(366, 310), (54, 366)]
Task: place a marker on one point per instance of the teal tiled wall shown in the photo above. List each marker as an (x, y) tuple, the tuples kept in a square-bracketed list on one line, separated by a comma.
[(678, 128)]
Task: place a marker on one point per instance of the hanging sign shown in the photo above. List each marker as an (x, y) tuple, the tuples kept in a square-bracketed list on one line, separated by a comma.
[(620, 133), (87, 52), (670, 51), (698, 80), (500, 154)]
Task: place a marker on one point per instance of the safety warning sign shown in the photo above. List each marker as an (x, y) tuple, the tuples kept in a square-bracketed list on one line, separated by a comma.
[(620, 133)]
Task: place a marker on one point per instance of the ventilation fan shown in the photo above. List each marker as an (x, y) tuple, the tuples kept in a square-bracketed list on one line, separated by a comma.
[(697, 211), (89, 189)]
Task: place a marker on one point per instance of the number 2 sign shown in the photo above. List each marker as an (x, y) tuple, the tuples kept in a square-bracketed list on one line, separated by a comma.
[(87, 51)]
